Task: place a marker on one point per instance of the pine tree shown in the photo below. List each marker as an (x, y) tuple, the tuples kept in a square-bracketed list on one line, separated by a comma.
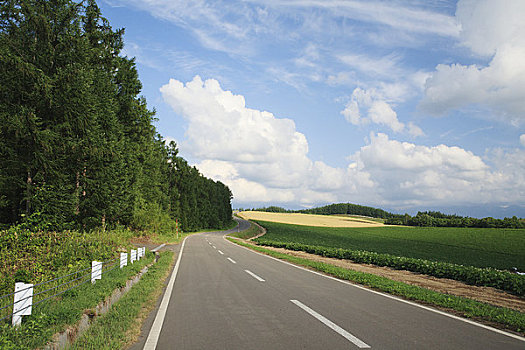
[(77, 141)]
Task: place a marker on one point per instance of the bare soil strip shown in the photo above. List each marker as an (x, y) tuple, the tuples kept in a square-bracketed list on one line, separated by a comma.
[(447, 286)]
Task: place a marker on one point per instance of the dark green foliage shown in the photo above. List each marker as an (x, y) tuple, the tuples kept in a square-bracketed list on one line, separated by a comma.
[(437, 219), (274, 209), (198, 202), (331, 209), (348, 208), (78, 148)]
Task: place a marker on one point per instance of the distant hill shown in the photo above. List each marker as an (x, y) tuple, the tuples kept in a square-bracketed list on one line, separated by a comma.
[(349, 208), (338, 208)]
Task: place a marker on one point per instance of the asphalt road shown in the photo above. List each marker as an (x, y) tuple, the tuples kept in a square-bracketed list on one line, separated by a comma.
[(228, 297)]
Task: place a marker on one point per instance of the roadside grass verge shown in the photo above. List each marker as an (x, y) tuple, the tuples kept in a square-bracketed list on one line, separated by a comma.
[(505, 318), (481, 247), (56, 314), (115, 329)]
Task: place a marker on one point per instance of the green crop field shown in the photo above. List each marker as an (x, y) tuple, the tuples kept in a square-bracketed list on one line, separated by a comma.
[(497, 248)]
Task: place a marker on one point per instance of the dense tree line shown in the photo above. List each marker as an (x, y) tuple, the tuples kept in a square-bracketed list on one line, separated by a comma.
[(348, 208), (78, 147), (438, 219), (331, 209), (274, 209)]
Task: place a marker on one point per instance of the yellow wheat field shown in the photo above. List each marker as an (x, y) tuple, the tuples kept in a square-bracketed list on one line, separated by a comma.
[(309, 219)]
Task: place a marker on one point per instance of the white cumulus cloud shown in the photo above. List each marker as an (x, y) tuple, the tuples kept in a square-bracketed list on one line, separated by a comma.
[(522, 139), (404, 173), (264, 159), (493, 29), (380, 112), (378, 109), (261, 157)]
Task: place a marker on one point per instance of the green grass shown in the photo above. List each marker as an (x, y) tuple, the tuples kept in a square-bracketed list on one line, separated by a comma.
[(111, 331), (497, 248), (56, 314), (510, 319)]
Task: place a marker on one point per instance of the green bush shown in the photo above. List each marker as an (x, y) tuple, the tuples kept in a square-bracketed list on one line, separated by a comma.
[(28, 256), (489, 277), (152, 218)]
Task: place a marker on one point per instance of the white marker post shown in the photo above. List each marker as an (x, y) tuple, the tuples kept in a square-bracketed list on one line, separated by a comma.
[(96, 271), (23, 302), (139, 253), (123, 259), (133, 255)]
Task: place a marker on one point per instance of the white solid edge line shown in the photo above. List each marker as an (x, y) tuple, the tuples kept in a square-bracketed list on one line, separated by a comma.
[(220, 252), (254, 276), (232, 261), (154, 333), (356, 341), (389, 296), (157, 248)]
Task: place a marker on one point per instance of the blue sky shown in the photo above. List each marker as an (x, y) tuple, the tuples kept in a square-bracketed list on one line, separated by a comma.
[(404, 105)]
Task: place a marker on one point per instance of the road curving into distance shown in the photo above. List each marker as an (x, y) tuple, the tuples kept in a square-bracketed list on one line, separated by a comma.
[(224, 296)]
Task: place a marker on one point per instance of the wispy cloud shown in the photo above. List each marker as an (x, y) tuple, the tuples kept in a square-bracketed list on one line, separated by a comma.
[(477, 130), (132, 49), (226, 25), (394, 14), (163, 59), (383, 67)]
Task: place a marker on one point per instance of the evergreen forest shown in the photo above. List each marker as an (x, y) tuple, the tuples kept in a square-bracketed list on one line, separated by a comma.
[(78, 145)]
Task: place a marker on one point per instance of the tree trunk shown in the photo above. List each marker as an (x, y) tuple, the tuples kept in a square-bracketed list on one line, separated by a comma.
[(77, 194), (29, 183)]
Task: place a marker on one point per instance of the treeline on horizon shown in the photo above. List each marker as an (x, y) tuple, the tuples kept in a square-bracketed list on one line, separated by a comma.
[(424, 219), (78, 148)]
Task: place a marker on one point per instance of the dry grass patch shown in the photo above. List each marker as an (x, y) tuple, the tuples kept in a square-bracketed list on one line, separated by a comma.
[(309, 219)]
